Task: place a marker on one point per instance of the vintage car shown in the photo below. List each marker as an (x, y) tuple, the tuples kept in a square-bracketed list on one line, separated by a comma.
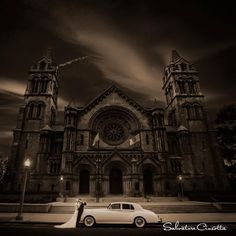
[(119, 213)]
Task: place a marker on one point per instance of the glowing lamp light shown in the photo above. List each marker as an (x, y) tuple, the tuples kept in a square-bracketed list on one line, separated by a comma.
[(180, 178), (27, 162), (61, 178)]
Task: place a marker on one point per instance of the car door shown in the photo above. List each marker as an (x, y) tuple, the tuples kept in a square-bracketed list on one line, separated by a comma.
[(114, 213), (127, 213), (121, 213)]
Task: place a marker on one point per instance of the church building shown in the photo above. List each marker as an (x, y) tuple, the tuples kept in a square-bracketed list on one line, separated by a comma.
[(114, 145)]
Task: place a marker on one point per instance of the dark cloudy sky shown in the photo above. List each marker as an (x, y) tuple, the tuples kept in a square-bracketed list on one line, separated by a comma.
[(129, 43)]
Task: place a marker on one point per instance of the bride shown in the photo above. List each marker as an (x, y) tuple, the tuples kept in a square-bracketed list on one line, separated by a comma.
[(73, 222)]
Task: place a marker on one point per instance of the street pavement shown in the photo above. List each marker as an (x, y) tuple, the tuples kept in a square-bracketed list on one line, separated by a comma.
[(102, 231), (42, 224), (54, 218)]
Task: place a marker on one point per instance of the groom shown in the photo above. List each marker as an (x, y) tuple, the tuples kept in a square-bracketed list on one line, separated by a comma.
[(80, 209)]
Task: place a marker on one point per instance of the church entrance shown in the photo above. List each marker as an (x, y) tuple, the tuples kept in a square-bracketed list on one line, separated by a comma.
[(116, 181), (84, 182), (147, 182)]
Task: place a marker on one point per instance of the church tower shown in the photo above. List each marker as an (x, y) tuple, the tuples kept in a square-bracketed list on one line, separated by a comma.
[(188, 137), (41, 92), (36, 115), (185, 102)]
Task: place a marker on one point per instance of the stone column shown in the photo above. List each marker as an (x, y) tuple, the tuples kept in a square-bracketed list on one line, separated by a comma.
[(134, 179)]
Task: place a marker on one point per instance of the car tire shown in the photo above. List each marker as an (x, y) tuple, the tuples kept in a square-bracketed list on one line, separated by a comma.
[(89, 221), (139, 222)]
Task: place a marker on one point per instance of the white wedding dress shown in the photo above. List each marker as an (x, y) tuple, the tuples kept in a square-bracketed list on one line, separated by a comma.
[(71, 223)]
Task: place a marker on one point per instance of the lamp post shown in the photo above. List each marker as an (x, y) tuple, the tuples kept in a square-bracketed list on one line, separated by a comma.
[(98, 184), (27, 164), (61, 186), (181, 186)]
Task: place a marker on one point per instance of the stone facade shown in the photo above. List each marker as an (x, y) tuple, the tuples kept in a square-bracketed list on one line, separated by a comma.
[(113, 145)]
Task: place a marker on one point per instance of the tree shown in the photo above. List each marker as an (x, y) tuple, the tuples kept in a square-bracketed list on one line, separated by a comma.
[(226, 136), (3, 169)]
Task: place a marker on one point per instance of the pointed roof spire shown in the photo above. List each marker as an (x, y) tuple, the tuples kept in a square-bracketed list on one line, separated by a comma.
[(175, 56)]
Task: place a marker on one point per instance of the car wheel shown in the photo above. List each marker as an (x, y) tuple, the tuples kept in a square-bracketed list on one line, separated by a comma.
[(139, 222), (89, 221)]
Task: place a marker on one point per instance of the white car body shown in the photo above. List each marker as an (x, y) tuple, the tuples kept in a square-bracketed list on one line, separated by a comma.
[(126, 214)]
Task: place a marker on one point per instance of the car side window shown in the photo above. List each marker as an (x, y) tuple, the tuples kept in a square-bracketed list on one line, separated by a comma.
[(115, 206), (127, 207)]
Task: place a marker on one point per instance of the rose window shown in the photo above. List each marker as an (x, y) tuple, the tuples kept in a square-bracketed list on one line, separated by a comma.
[(113, 133)]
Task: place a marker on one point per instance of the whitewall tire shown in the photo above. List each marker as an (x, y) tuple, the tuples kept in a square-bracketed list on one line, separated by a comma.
[(139, 222), (89, 221)]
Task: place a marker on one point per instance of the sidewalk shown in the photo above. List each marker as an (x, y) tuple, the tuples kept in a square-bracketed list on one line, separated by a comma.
[(173, 217)]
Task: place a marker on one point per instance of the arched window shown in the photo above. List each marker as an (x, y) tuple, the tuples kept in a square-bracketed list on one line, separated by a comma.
[(179, 167), (51, 167), (67, 185), (39, 110), (171, 91), (192, 87), (54, 167), (38, 187), (198, 111), (19, 187), (81, 139), (172, 118), (26, 143), (36, 86), (181, 87), (31, 111), (167, 185), (69, 119), (188, 108), (42, 65), (203, 167), (176, 166), (53, 116), (68, 140), (172, 166), (44, 84), (183, 66), (160, 119), (190, 112), (52, 187), (147, 139), (33, 86)]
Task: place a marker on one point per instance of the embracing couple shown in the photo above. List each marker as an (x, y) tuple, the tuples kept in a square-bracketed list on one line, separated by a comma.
[(73, 222)]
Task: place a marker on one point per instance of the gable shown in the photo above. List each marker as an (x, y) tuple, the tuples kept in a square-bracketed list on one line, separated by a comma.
[(114, 98)]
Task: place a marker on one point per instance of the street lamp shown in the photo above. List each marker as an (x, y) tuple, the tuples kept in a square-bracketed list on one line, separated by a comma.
[(181, 186), (27, 165), (61, 187)]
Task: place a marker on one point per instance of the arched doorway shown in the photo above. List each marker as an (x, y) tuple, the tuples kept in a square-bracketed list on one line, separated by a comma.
[(84, 182), (147, 181), (116, 181)]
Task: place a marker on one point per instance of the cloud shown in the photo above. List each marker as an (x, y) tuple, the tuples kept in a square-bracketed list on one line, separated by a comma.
[(61, 104), (5, 134), (11, 87), (110, 51)]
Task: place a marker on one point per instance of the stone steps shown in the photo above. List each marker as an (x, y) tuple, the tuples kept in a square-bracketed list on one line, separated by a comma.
[(175, 207), (159, 208), (109, 199)]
